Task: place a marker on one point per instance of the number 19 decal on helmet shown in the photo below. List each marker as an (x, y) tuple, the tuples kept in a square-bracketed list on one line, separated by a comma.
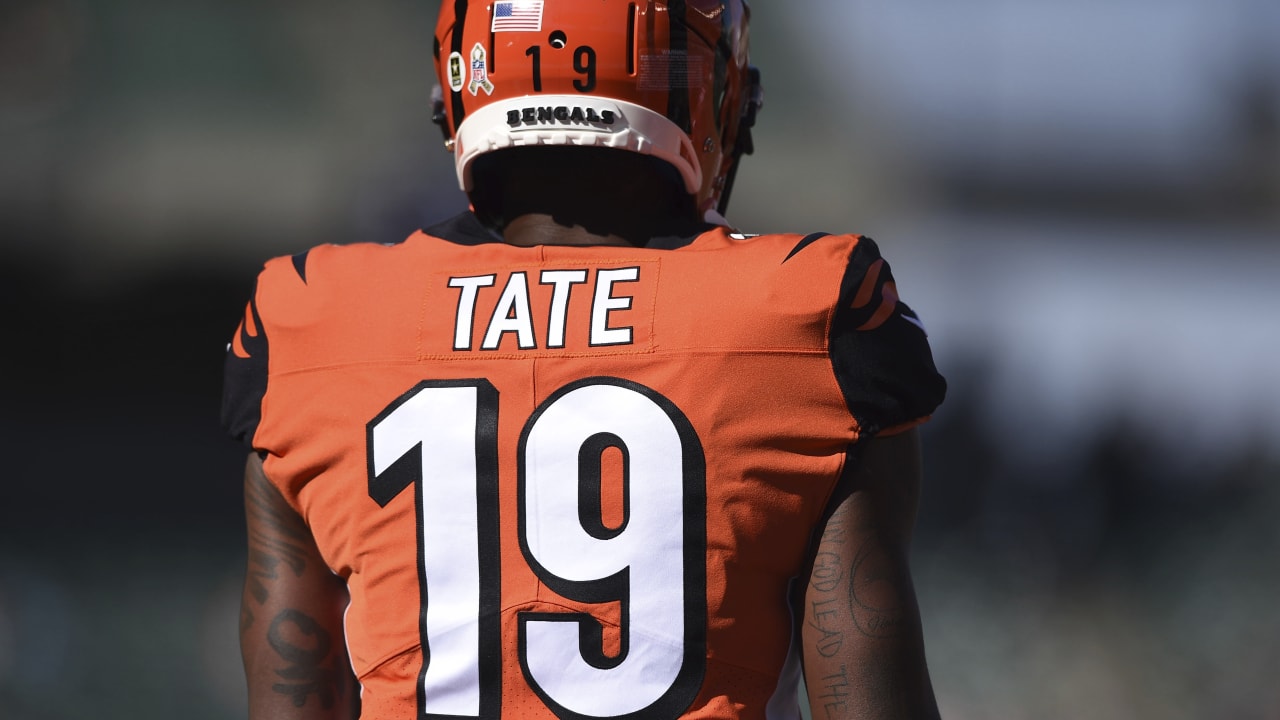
[(667, 78)]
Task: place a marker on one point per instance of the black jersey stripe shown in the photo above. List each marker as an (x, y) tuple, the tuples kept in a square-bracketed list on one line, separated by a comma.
[(300, 265), (804, 243)]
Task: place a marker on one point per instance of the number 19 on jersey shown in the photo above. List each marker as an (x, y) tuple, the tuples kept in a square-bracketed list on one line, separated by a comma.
[(441, 438)]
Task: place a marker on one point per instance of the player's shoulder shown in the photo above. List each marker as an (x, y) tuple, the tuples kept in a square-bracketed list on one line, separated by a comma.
[(789, 245), (328, 275), (328, 260), (794, 256)]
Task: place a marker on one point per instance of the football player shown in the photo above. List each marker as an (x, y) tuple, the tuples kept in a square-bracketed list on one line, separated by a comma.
[(584, 451)]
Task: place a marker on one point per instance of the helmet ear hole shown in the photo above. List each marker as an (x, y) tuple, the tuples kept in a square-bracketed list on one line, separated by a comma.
[(558, 40)]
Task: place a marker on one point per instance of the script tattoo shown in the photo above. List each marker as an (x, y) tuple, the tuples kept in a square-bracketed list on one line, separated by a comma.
[(862, 592), (862, 641), (822, 615), (875, 598), (305, 645), (828, 571), (275, 538), (825, 605), (834, 692)]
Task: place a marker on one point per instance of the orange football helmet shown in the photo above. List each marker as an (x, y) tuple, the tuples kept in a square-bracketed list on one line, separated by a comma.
[(668, 78)]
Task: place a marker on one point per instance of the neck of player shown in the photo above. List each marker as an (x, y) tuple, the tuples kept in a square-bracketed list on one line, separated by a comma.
[(583, 196)]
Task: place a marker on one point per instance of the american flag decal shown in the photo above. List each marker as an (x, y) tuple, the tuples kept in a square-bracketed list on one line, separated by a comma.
[(517, 16)]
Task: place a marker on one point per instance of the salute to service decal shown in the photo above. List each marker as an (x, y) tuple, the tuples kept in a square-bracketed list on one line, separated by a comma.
[(480, 71), (457, 75)]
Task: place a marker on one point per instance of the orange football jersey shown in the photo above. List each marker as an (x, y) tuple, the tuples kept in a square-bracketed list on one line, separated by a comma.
[(572, 482)]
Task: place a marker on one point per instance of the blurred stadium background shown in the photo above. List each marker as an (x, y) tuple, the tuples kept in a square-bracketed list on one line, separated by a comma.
[(1082, 199)]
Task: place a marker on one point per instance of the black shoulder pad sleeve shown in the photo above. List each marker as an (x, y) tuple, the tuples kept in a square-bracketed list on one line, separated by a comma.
[(879, 348), (245, 377)]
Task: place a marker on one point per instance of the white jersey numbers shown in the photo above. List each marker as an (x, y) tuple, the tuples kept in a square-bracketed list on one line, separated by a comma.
[(446, 433), (441, 438), (646, 563)]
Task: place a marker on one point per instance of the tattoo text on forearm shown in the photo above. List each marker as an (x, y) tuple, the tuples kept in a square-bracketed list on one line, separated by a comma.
[(305, 645)]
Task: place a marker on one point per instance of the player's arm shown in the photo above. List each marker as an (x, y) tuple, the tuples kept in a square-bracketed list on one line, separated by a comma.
[(863, 648), (291, 635)]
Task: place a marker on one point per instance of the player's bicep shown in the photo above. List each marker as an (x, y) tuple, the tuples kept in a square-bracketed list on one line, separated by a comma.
[(291, 635), (862, 644)]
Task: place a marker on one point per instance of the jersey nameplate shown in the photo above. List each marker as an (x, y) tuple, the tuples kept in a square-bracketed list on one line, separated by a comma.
[(542, 310)]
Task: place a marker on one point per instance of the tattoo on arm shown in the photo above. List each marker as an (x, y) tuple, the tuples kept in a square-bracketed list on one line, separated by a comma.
[(866, 587), (823, 615), (835, 692), (828, 575), (307, 648), (863, 648), (295, 655), (874, 594), (281, 543)]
